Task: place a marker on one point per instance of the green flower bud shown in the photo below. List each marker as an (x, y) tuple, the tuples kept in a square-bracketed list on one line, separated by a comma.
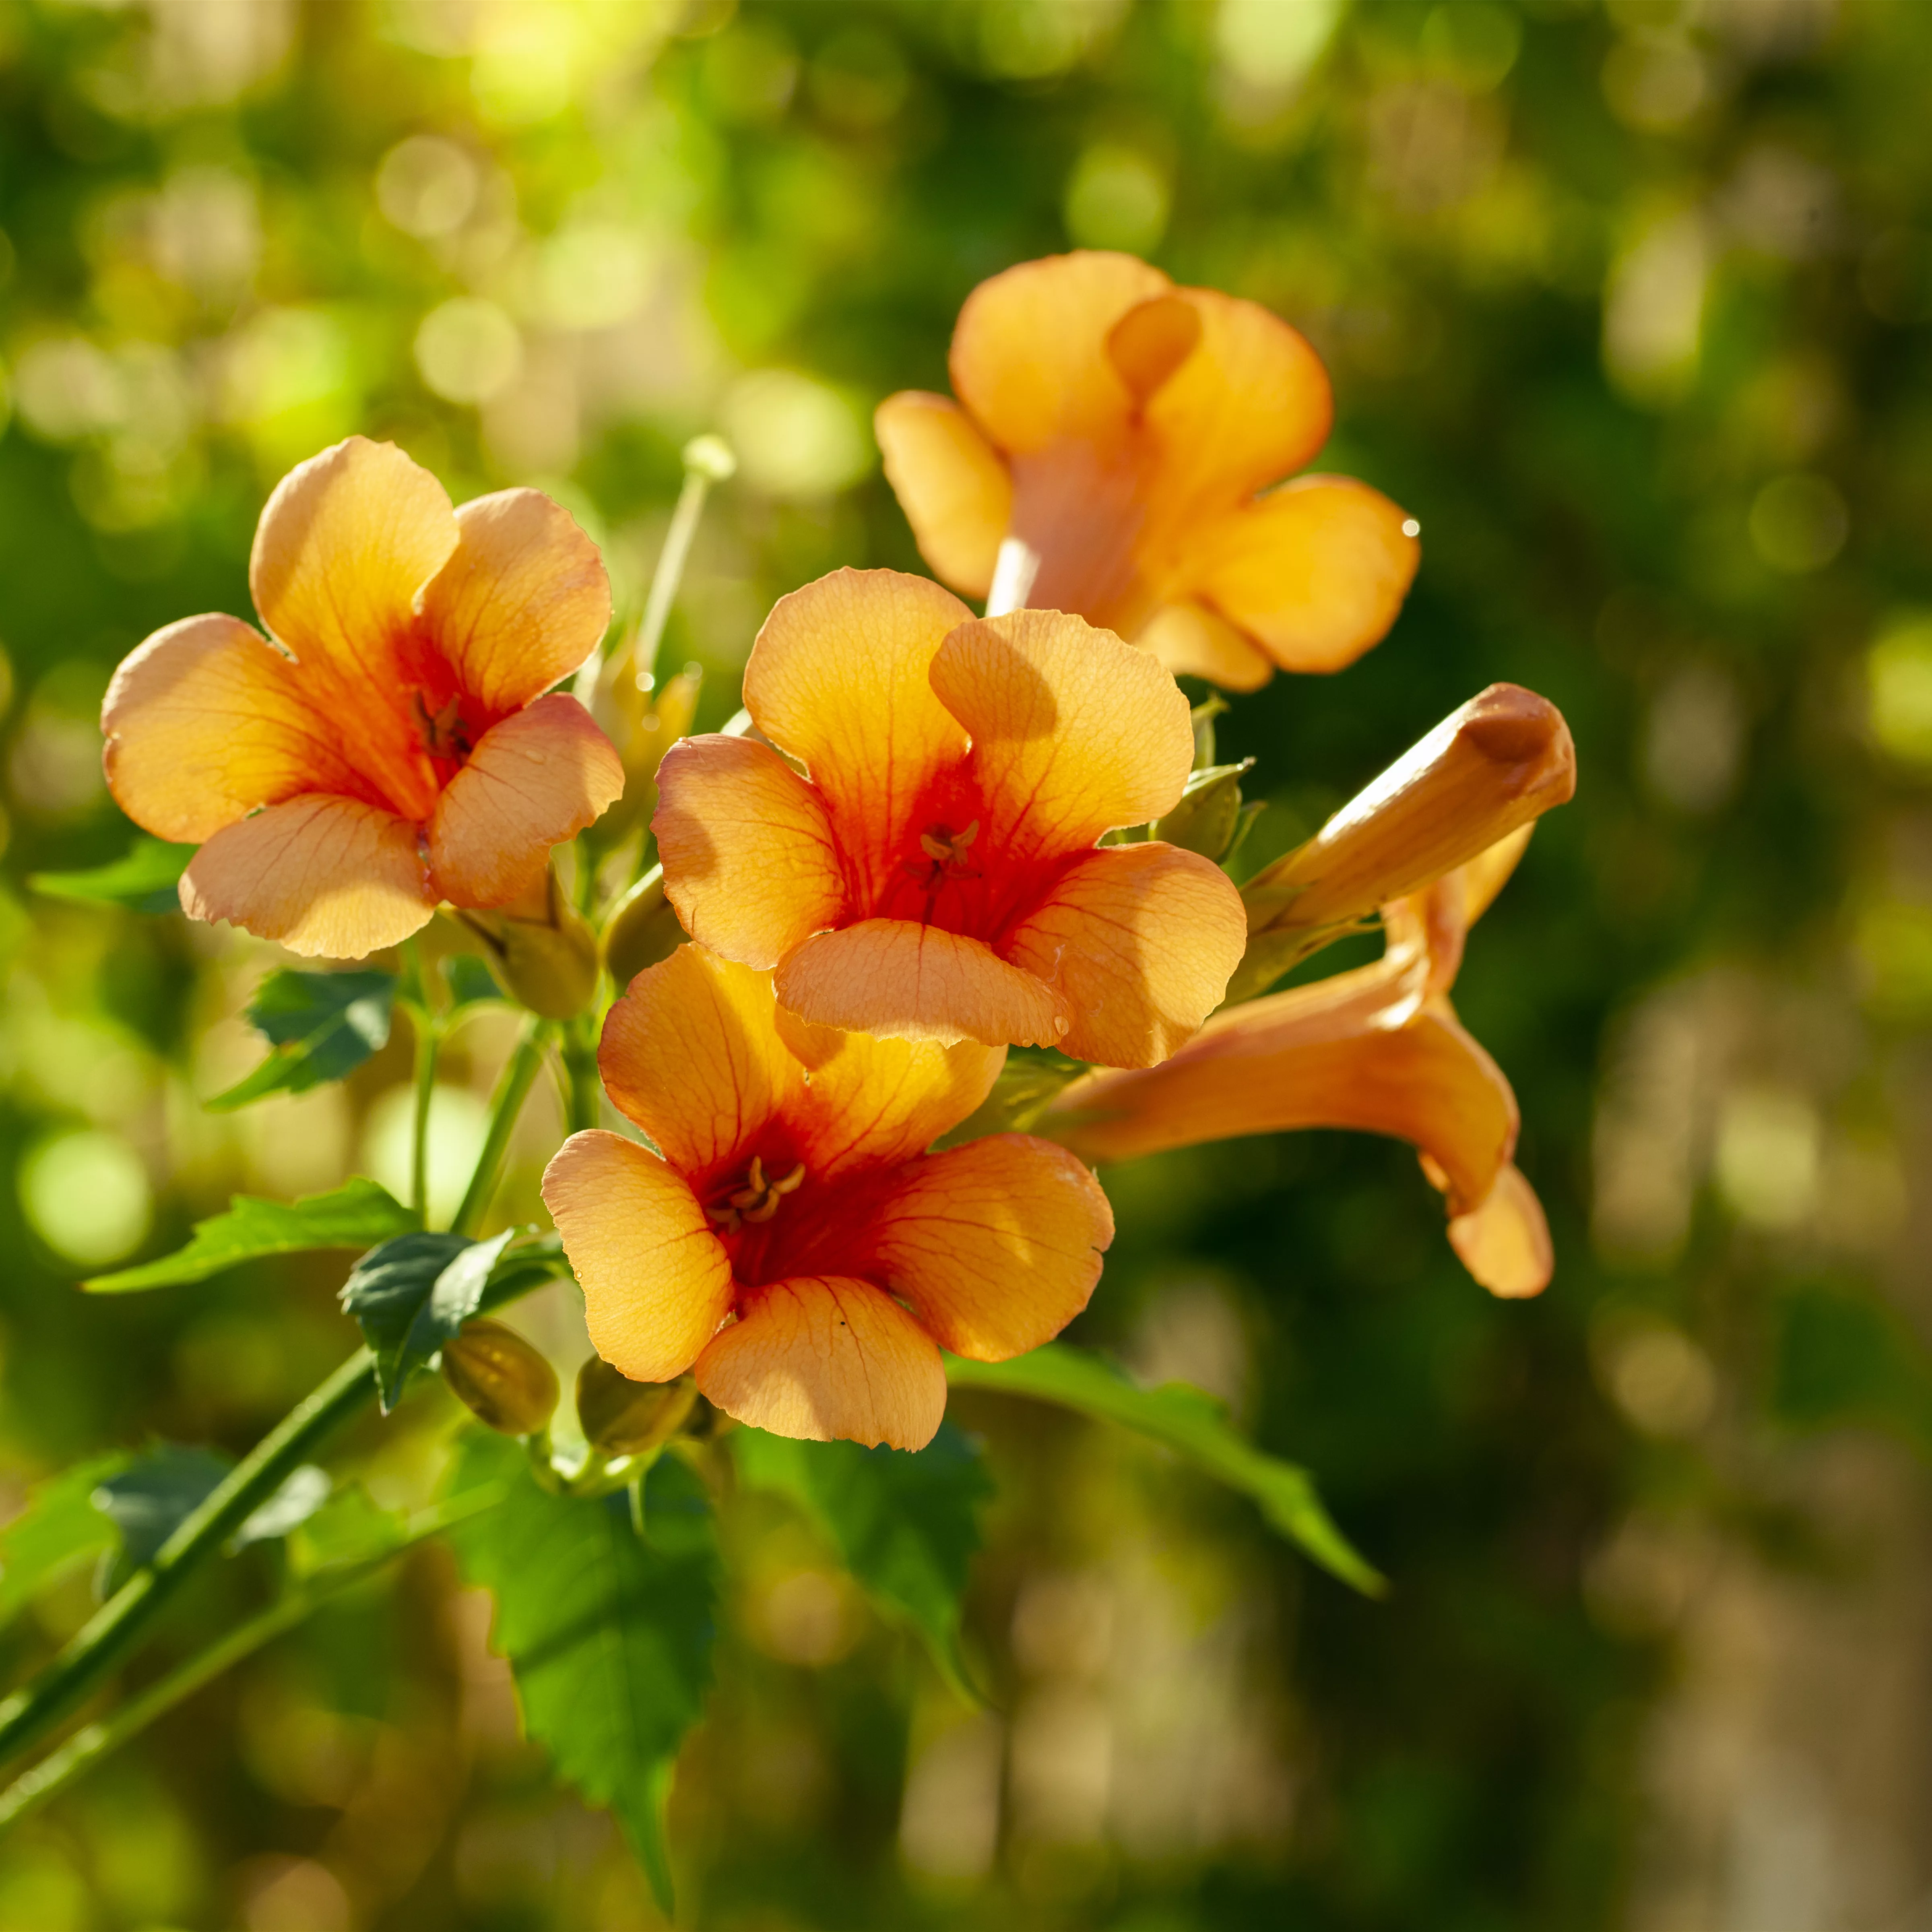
[(544, 951), (642, 929), (499, 1377), (622, 1417)]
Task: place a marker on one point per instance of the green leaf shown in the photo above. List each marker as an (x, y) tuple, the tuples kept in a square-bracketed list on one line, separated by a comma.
[(304, 1491), (322, 1027), (357, 1214), (1191, 1423), (528, 1264), (412, 1293), (469, 979), (350, 1527), (907, 1524), (145, 879), (59, 1530), (150, 1499), (1208, 813), (608, 1633)]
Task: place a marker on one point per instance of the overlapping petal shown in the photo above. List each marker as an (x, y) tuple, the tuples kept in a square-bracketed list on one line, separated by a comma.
[(957, 493)]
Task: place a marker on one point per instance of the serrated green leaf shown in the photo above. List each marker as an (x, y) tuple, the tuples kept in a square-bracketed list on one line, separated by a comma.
[(350, 1527), (59, 1530), (608, 1633), (148, 1501), (527, 1264), (1208, 814), (906, 1524), (1191, 1423), (146, 878), (412, 1293), (322, 1026), (358, 1214)]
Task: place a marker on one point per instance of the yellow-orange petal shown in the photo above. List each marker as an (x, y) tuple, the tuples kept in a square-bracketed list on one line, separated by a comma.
[(1315, 572), (996, 1244), (1139, 940), (655, 1277), (1029, 355), (329, 877), (345, 542), (956, 493), (902, 980), (1504, 1241), (1485, 875), (1193, 642), (535, 779), (837, 678), (205, 722), (749, 859), (691, 1052), (823, 1357), (1073, 732), (1249, 405), (869, 1102), (522, 601)]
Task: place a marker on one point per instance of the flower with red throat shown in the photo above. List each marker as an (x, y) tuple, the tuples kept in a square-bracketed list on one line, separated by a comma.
[(934, 872), (1104, 456), (793, 1242), (393, 747)]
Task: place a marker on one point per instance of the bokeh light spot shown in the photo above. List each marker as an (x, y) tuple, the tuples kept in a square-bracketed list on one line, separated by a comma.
[(86, 1194)]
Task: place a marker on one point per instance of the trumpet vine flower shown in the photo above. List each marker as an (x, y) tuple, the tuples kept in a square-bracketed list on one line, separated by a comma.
[(1111, 435), (392, 748), (933, 872), (793, 1242)]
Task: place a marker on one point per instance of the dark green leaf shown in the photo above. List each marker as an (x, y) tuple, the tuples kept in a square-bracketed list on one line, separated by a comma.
[(907, 1526), (528, 1265), (1191, 1423), (146, 879), (1207, 815), (59, 1530), (303, 1492), (357, 1214), (412, 1293), (322, 1027), (150, 1498), (608, 1633)]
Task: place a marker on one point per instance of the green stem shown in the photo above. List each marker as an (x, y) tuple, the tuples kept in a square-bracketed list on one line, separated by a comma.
[(706, 460), (87, 1746), (583, 1088), (512, 1089), (120, 1623), (429, 1041)]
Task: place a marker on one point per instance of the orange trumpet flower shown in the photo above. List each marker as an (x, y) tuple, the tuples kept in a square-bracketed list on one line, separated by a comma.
[(937, 876), (1378, 1049), (393, 748), (795, 1244), (1111, 433)]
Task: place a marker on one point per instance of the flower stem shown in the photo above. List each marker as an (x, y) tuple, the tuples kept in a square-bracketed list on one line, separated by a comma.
[(707, 460), (429, 1040), (512, 1089), (583, 1090), (115, 1630)]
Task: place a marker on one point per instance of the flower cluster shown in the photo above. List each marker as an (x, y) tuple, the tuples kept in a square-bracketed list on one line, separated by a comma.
[(930, 836)]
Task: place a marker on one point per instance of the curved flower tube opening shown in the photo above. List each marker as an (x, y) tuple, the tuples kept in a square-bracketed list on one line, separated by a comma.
[(393, 747)]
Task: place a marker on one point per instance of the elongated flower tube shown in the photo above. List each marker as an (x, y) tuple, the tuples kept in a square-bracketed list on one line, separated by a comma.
[(934, 873), (1111, 433), (794, 1244), (1378, 1049), (393, 747)]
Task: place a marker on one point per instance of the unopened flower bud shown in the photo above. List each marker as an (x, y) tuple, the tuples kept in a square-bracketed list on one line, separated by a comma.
[(643, 928), (622, 1417), (643, 723), (543, 949), (1205, 817), (500, 1378)]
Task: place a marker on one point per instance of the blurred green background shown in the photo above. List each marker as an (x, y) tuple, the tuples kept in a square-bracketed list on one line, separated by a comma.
[(1629, 303)]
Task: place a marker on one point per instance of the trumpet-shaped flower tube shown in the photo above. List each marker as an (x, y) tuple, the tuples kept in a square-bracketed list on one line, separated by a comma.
[(1111, 434), (934, 873), (1378, 1049), (793, 1242), (393, 748)]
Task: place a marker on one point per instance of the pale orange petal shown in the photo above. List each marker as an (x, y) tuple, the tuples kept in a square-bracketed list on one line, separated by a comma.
[(522, 601), (1073, 732), (655, 1278), (1504, 1242), (1030, 350), (205, 722), (823, 1357), (872, 1101), (1252, 404), (1315, 572), (1139, 940), (996, 1244), (1486, 874), (344, 544), (1193, 642), (837, 678), (749, 860), (328, 876), (691, 1053), (533, 781), (900, 980), (955, 492)]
